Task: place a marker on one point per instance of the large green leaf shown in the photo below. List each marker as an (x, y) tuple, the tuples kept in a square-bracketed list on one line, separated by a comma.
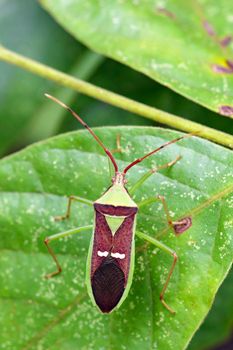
[(57, 313), (178, 43), (218, 325)]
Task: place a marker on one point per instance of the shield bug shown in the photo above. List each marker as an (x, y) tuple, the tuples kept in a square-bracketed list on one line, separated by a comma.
[(110, 262)]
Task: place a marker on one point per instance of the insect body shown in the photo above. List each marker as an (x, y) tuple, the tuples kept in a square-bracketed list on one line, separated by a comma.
[(110, 262), (112, 251)]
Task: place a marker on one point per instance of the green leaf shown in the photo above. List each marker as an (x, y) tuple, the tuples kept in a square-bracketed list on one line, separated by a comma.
[(218, 325), (57, 313), (170, 42)]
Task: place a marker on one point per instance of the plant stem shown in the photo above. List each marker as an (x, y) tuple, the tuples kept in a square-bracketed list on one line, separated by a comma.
[(115, 99)]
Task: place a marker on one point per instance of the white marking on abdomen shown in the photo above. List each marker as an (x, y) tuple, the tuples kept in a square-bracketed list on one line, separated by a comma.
[(118, 255), (99, 253)]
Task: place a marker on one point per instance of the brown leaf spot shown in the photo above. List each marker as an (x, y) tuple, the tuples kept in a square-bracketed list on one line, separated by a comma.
[(229, 63), (226, 110), (208, 28), (217, 68), (166, 12), (226, 41), (227, 68)]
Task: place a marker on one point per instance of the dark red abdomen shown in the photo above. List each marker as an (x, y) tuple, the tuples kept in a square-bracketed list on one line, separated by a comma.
[(111, 255)]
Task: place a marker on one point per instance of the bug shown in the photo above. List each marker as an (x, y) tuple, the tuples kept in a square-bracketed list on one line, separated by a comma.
[(110, 262)]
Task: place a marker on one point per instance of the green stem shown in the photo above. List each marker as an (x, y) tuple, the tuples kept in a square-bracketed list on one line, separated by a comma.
[(115, 99)]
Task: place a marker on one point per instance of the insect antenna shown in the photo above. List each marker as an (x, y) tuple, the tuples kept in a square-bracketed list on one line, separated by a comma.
[(136, 161), (107, 151)]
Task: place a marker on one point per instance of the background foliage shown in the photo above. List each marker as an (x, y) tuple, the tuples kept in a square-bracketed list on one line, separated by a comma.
[(26, 117)]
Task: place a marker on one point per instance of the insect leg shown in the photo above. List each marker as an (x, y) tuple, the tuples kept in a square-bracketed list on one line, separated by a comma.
[(150, 172), (170, 252), (71, 199), (57, 236), (178, 227)]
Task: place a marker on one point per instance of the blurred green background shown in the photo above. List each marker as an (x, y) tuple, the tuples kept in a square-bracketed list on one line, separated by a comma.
[(26, 116)]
